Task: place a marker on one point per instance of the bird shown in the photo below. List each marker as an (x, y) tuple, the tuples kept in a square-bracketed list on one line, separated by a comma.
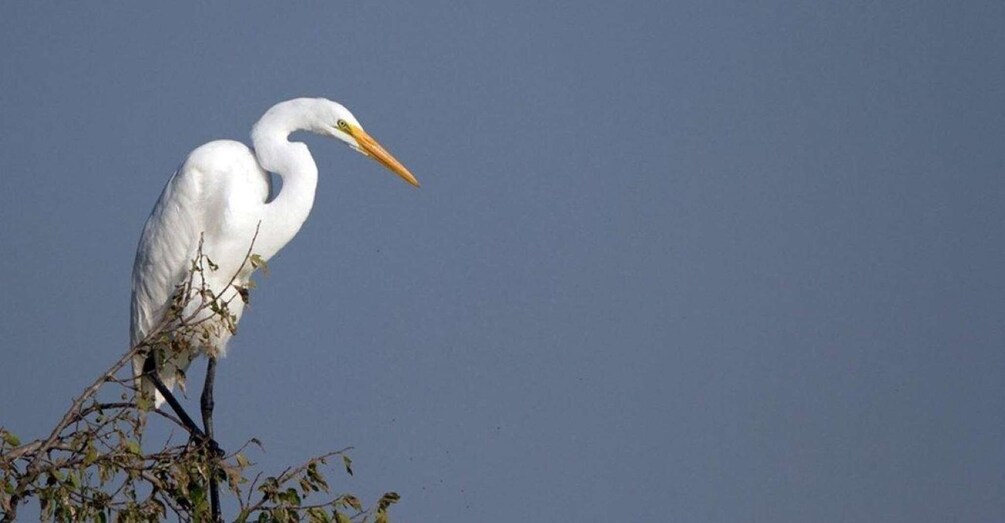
[(212, 218)]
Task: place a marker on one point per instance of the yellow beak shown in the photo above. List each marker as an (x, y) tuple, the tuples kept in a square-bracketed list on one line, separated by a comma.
[(375, 151)]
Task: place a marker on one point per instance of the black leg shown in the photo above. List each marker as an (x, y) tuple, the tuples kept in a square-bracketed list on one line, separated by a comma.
[(207, 404), (207, 397), (150, 371)]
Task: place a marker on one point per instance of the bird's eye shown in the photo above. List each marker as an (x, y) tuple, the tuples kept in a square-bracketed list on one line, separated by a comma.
[(342, 125)]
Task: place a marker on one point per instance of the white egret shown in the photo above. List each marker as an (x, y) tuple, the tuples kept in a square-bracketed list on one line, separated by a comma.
[(219, 198)]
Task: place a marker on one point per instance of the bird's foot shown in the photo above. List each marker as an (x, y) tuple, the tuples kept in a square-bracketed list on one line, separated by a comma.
[(201, 441)]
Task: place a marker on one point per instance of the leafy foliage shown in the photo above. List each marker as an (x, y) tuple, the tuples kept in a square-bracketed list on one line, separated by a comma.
[(92, 466)]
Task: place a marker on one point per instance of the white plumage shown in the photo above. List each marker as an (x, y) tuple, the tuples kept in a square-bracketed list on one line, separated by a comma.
[(219, 194)]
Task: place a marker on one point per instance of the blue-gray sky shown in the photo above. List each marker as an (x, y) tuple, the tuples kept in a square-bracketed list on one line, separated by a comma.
[(700, 261)]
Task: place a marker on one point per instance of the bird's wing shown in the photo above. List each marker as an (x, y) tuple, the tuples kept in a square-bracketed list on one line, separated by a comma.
[(169, 242), (196, 200)]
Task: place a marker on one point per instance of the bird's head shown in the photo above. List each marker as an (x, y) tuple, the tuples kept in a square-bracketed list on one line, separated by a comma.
[(339, 123)]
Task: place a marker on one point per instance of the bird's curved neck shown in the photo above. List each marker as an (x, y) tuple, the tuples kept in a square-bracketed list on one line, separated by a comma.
[(283, 217)]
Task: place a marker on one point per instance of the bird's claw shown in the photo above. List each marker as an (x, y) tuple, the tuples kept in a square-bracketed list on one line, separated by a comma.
[(200, 440), (214, 448)]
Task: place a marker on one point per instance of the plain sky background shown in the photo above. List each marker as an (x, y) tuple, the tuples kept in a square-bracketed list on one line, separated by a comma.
[(701, 261)]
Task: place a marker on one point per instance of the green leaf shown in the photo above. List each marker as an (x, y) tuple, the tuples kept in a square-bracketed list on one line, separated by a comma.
[(105, 472), (291, 496), (91, 455), (241, 460), (134, 447), (269, 487), (348, 463), (73, 480), (341, 518), (197, 497), (316, 478), (144, 402), (318, 515), (352, 501), (258, 262), (10, 439), (387, 500)]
